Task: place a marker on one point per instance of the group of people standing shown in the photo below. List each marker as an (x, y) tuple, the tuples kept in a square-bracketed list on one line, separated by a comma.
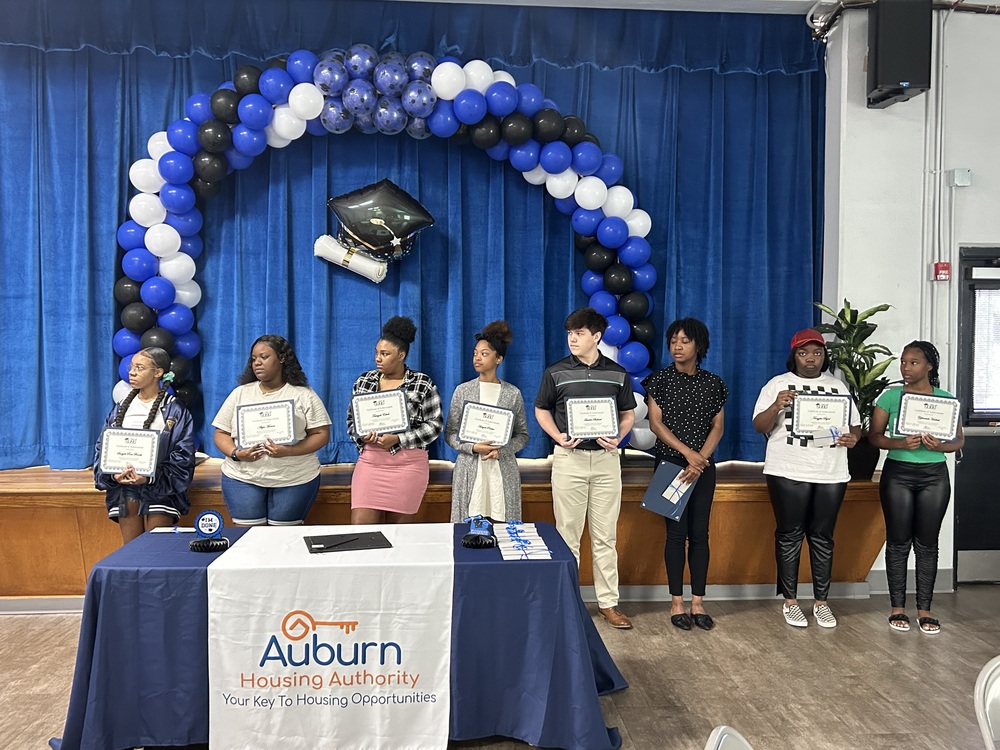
[(276, 484)]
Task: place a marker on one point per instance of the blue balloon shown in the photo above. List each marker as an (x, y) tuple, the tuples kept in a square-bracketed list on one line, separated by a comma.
[(124, 366), (549, 104), (592, 282), (501, 99), (360, 97), (649, 297), (420, 65), (610, 170), (182, 135), (177, 199), (442, 121), (555, 157), (300, 65), (248, 141), (330, 77), (157, 292), (139, 264), (360, 60), (635, 252), (192, 245), (529, 99), (469, 106), (566, 206), (586, 220), (336, 53), (633, 356), (587, 158), (187, 344), (448, 58), (612, 232), (176, 318), (365, 124), (131, 235), (335, 116), (238, 160), (228, 85), (637, 379), (315, 127), (274, 85), (187, 223), (417, 128), (390, 78), (255, 111), (126, 343), (393, 56), (617, 332), (500, 151), (643, 277), (390, 117), (175, 167), (198, 108), (604, 302), (524, 158), (419, 99)]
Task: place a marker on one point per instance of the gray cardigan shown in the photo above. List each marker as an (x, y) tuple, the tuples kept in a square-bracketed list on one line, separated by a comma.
[(464, 476)]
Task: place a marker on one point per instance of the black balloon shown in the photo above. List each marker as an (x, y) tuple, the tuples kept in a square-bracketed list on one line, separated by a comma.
[(138, 317), (245, 80), (634, 306), (204, 191), (127, 291), (277, 62), (515, 128), (180, 367), (486, 132), (461, 136), (592, 138), (643, 330), (215, 136), (160, 337), (598, 258), (187, 394), (618, 279), (210, 167), (582, 241), (547, 125), (575, 130), (380, 220)]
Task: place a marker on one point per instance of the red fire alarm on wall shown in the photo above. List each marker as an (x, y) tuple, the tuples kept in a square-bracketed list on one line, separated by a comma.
[(941, 271)]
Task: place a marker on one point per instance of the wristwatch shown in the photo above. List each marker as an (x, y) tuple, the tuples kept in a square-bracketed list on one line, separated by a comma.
[(233, 455)]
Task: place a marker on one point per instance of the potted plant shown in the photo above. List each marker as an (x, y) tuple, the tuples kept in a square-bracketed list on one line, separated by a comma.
[(856, 357)]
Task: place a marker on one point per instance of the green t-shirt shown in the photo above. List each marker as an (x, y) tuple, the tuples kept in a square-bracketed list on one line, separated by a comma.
[(889, 402)]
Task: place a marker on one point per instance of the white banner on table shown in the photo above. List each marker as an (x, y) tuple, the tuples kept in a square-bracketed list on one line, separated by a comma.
[(342, 649)]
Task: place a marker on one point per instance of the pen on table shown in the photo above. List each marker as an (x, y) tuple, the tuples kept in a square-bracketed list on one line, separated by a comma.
[(337, 544)]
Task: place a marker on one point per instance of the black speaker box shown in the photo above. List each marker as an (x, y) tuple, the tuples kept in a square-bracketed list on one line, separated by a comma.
[(899, 51)]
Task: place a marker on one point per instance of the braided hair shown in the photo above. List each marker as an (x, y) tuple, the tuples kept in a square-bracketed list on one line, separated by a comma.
[(931, 354), (161, 360), (291, 370), (399, 331), (497, 335)]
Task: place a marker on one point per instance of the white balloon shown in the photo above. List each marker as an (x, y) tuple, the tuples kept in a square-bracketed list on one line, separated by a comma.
[(146, 210), (287, 124), (611, 352), (273, 139), (162, 240), (305, 101), (121, 390), (563, 184), (642, 437), (536, 176), (619, 202), (641, 410), (478, 75), (590, 193), (177, 269), (144, 175), (447, 80), (158, 145), (188, 293), (503, 75), (638, 222)]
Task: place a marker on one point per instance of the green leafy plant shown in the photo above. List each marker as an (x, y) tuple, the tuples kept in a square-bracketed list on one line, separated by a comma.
[(855, 356)]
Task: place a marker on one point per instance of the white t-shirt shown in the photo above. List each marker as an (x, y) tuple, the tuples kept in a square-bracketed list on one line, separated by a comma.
[(791, 457), (137, 413), (268, 471)]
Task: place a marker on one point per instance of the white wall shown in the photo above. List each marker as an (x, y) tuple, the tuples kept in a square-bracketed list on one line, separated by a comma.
[(889, 211)]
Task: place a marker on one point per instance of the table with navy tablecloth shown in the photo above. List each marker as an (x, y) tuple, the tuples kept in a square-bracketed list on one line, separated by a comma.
[(527, 661)]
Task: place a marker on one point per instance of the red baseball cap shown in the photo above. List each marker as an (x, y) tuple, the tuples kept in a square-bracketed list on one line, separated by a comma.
[(807, 336)]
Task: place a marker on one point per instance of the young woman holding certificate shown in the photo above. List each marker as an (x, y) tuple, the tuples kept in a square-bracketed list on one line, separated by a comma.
[(395, 413), (270, 428), (157, 496), (686, 414), (923, 424), (486, 480), (810, 421)]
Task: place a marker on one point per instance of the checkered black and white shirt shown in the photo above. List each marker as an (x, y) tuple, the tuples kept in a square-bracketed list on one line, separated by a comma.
[(422, 400)]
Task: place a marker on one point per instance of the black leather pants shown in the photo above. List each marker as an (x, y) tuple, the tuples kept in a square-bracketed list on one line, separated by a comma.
[(914, 500), (804, 509)]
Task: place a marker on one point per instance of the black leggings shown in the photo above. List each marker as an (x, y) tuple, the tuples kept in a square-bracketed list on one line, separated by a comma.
[(692, 527), (914, 500), (804, 509)]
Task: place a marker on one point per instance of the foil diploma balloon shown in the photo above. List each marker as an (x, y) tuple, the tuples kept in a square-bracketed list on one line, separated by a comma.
[(380, 220)]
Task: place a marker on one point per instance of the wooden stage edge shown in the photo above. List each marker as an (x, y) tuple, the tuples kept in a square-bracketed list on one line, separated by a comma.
[(54, 527)]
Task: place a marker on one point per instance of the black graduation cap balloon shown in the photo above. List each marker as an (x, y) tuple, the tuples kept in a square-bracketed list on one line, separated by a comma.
[(380, 220)]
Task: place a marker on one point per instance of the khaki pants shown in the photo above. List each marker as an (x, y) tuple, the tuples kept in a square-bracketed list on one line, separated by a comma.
[(587, 487)]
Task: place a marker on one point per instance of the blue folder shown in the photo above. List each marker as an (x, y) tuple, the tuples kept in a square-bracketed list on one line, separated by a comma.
[(661, 498)]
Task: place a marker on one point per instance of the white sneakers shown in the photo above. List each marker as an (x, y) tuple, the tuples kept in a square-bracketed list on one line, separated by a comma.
[(821, 611)]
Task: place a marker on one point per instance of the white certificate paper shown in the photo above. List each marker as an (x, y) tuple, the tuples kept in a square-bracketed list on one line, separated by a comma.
[(921, 414), (817, 415), (483, 423), (382, 412), (271, 419), (121, 447), (591, 418)]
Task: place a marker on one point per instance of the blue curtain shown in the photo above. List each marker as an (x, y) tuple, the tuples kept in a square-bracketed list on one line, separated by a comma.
[(716, 118)]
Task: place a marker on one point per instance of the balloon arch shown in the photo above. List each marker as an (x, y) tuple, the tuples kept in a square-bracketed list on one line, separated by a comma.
[(356, 88)]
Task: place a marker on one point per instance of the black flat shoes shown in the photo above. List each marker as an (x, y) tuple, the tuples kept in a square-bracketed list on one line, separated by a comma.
[(703, 621), (682, 621)]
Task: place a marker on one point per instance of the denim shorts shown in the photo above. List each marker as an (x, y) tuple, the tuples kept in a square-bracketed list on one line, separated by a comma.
[(249, 504)]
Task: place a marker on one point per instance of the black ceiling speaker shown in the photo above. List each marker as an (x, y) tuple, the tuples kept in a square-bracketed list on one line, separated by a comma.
[(899, 51)]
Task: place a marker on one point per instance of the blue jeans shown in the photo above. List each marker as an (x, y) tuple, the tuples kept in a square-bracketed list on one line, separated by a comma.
[(250, 505)]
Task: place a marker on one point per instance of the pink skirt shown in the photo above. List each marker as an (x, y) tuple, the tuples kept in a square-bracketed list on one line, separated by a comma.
[(394, 483)]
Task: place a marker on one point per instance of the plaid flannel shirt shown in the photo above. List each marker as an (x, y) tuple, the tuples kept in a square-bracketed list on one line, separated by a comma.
[(422, 400)]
